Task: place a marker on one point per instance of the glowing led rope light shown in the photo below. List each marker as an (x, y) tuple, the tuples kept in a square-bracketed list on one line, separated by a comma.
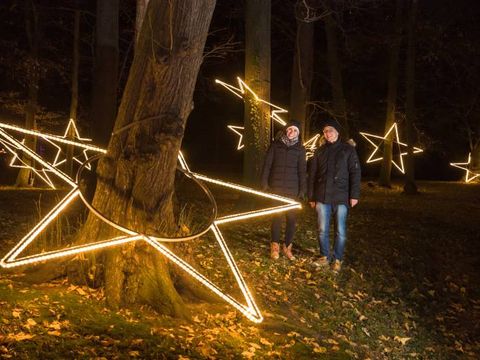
[(12, 258), (236, 129), (41, 173), (241, 91), (394, 127), (311, 145), (54, 138), (71, 125), (465, 166)]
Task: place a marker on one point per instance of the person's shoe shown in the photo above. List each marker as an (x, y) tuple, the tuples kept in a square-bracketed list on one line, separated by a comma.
[(274, 250), (336, 266), (287, 251), (322, 262)]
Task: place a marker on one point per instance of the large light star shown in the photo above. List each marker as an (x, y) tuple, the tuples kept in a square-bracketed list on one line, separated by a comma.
[(397, 141), (14, 257), (469, 176), (243, 90)]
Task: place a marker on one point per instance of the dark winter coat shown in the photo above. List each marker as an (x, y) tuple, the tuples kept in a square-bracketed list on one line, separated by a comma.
[(285, 169), (334, 174)]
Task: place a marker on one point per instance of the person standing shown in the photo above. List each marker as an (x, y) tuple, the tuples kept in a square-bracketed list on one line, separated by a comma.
[(333, 188), (284, 173)]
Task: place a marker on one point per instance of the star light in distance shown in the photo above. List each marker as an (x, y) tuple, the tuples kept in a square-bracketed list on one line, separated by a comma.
[(15, 257), (311, 145), (243, 90), (469, 176), (71, 129), (376, 157), (18, 162), (236, 129)]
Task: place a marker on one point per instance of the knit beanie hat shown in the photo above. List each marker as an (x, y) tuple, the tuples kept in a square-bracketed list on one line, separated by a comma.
[(333, 123)]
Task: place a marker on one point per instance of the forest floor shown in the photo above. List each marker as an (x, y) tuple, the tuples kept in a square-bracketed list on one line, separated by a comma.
[(409, 289)]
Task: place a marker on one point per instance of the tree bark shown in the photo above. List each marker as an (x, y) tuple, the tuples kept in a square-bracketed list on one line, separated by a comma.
[(410, 187), (386, 168), (257, 120), (105, 78), (32, 28), (336, 80), (302, 75), (140, 16)]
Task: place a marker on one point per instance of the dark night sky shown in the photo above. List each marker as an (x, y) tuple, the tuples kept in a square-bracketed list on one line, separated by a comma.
[(447, 74)]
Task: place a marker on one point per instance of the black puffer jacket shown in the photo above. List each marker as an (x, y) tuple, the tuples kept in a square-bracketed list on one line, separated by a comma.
[(285, 169), (334, 174)]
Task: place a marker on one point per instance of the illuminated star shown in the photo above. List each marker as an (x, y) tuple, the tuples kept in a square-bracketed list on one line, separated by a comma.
[(18, 162), (236, 129), (311, 145), (15, 257), (69, 131), (375, 157), (242, 90), (469, 176)]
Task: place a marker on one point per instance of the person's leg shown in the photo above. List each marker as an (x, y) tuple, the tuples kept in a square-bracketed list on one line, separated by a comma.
[(340, 213), (323, 219), (275, 233), (290, 227)]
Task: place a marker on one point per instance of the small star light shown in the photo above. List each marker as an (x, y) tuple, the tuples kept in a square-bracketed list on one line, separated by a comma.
[(236, 129), (469, 176), (311, 145), (50, 138), (372, 157), (14, 257)]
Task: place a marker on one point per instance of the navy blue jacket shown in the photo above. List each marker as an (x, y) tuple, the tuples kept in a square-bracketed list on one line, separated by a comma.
[(334, 174), (285, 169)]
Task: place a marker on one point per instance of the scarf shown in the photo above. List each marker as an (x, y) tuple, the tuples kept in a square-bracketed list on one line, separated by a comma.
[(287, 141)]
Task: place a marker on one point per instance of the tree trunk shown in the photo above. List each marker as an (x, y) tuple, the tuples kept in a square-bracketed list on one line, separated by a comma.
[(302, 75), (410, 187), (105, 78), (33, 35), (386, 169), (140, 16), (257, 75), (74, 89), (136, 179), (336, 81)]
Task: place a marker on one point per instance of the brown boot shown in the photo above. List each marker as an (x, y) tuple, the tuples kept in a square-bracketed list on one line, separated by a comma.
[(287, 251), (274, 250), (336, 266)]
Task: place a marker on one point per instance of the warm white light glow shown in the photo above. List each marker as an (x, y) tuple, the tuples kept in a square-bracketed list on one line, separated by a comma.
[(236, 130), (469, 176), (243, 89), (311, 145), (13, 258), (18, 162), (372, 158)]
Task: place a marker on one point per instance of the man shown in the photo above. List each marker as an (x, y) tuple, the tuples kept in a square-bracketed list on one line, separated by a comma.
[(333, 187), (284, 173)]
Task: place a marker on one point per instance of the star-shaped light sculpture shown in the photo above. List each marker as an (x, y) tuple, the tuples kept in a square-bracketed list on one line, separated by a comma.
[(470, 175), (51, 139), (311, 145), (15, 257), (236, 130), (376, 157), (243, 90), (69, 131), (18, 162)]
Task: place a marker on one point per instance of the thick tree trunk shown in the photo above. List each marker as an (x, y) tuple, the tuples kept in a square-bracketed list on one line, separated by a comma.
[(257, 75), (136, 179), (105, 81), (336, 81), (302, 75), (410, 187), (74, 88), (32, 27), (140, 16), (386, 169)]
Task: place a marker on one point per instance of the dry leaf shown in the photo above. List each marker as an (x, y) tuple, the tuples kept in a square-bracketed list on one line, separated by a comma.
[(402, 340)]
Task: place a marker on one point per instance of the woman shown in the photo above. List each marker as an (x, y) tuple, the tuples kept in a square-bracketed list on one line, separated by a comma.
[(284, 173)]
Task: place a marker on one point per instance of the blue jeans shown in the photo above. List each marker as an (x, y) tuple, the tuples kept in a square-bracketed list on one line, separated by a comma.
[(324, 213)]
